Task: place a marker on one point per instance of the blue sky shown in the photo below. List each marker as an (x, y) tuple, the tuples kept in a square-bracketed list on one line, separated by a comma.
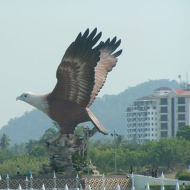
[(35, 34)]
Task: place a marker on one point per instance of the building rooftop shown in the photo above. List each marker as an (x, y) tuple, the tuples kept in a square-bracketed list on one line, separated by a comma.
[(145, 98), (163, 88), (182, 92)]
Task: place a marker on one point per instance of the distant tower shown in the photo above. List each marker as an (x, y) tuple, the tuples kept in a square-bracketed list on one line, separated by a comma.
[(179, 76)]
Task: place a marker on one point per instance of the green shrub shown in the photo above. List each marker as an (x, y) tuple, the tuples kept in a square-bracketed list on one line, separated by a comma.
[(25, 163), (183, 175)]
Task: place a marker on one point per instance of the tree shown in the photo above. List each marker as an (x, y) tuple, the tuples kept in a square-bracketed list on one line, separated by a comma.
[(30, 146), (79, 131), (4, 142), (18, 149), (38, 151), (184, 132), (119, 139), (48, 135), (56, 125), (5, 155)]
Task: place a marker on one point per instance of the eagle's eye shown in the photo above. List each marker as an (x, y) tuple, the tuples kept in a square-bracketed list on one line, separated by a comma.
[(25, 95)]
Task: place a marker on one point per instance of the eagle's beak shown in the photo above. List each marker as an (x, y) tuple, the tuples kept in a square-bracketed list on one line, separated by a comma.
[(18, 98)]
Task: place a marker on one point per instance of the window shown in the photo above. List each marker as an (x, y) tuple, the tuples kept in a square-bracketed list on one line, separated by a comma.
[(181, 100), (164, 110), (163, 118), (181, 116), (181, 124), (164, 134), (181, 108), (163, 101), (164, 126)]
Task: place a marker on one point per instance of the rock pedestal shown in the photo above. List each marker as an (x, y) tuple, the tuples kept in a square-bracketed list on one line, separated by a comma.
[(68, 154)]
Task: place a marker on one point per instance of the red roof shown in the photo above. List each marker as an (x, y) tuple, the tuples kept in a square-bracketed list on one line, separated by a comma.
[(182, 92)]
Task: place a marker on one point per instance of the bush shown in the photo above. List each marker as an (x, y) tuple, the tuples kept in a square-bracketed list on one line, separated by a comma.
[(183, 175), (25, 163)]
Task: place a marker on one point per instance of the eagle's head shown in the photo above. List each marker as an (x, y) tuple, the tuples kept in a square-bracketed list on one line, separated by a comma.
[(24, 97), (38, 101)]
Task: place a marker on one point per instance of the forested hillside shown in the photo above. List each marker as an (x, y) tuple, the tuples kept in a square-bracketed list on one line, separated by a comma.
[(109, 109)]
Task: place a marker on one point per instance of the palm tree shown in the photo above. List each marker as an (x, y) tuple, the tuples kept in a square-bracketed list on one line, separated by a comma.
[(4, 142)]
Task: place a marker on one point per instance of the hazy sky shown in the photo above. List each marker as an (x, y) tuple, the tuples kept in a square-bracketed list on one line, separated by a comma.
[(34, 35)]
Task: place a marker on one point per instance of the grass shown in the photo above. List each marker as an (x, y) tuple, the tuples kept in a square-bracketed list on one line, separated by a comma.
[(170, 175)]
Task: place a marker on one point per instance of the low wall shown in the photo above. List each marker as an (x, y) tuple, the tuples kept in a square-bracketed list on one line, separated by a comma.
[(110, 182), (95, 182), (140, 181)]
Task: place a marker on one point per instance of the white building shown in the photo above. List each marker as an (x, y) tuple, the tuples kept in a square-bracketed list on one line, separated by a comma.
[(159, 115)]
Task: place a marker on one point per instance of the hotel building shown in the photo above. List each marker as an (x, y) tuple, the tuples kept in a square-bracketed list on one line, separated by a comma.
[(159, 115)]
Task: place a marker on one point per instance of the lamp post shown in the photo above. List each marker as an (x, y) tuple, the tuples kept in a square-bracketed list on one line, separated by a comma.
[(115, 153), (87, 130)]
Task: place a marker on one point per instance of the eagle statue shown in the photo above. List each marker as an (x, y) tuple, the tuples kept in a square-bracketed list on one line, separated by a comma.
[(80, 76)]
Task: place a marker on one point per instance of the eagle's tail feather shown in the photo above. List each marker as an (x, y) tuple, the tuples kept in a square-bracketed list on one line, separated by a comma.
[(96, 122)]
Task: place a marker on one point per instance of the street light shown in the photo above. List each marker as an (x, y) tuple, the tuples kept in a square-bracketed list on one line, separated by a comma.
[(87, 131), (88, 162), (114, 136)]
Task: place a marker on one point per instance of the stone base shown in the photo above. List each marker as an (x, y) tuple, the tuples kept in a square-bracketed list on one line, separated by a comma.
[(68, 155)]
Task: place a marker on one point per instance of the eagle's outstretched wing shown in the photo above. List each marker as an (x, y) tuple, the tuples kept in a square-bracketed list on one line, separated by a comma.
[(108, 60), (84, 67)]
